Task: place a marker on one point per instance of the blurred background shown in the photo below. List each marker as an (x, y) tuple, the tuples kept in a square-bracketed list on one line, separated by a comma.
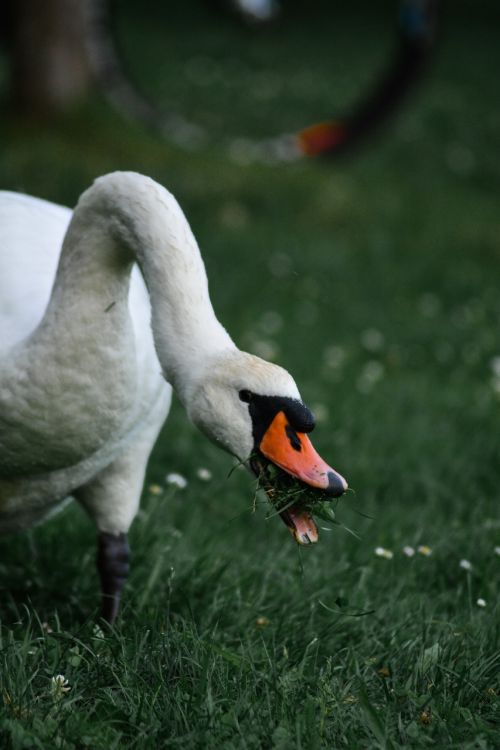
[(372, 276)]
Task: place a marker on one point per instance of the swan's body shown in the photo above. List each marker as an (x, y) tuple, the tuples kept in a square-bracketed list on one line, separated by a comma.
[(71, 405), (86, 348)]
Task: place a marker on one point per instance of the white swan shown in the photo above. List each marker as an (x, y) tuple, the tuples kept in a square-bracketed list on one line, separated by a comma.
[(89, 352)]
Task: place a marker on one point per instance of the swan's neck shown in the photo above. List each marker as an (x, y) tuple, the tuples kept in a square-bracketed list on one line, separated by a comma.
[(122, 218)]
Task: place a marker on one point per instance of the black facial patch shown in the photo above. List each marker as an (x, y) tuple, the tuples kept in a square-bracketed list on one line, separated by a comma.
[(263, 409), (293, 438)]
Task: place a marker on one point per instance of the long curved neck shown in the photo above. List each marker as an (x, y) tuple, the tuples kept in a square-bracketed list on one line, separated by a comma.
[(122, 218)]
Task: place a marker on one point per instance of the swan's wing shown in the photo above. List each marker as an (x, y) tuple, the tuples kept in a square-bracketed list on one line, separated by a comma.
[(31, 235)]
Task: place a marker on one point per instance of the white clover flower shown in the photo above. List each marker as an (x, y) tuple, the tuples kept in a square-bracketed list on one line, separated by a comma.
[(465, 564), (408, 551), (425, 550), (262, 622), (320, 412), (97, 632), (383, 552), (495, 366), (372, 340), (497, 550), (266, 349), (334, 356), (177, 480), (481, 602), (204, 474), (372, 372), (59, 686)]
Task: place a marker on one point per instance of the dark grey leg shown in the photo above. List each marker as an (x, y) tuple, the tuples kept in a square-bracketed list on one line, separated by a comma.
[(113, 558)]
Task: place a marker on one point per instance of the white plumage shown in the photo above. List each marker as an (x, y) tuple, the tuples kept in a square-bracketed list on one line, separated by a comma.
[(82, 396)]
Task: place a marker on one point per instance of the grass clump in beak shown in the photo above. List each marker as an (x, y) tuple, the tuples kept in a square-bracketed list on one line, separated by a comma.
[(295, 502)]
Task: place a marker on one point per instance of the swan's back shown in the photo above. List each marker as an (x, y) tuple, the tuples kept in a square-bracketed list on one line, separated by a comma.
[(31, 235)]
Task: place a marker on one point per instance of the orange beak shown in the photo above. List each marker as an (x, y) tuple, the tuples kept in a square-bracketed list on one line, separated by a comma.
[(293, 452)]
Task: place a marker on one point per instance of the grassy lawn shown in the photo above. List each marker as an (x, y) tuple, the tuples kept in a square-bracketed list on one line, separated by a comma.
[(375, 280)]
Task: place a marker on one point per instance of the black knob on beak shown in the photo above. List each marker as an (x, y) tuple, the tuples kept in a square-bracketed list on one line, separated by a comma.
[(336, 485)]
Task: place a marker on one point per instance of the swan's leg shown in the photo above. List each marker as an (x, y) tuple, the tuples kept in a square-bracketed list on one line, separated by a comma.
[(112, 499), (113, 563)]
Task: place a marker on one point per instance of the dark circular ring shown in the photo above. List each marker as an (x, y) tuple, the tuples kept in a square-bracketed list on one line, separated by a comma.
[(417, 34), (416, 38)]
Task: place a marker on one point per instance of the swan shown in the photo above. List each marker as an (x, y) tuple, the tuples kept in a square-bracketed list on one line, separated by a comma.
[(103, 311)]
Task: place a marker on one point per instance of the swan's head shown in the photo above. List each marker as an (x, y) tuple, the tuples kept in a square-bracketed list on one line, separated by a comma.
[(253, 409)]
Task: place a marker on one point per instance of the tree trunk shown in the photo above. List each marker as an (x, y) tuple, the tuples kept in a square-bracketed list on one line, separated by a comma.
[(49, 63)]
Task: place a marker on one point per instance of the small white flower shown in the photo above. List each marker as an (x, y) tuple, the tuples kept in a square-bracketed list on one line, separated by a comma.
[(481, 602), (495, 366), (465, 565), (425, 550), (97, 632), (320, 411), (372, 340), (204, 474), (177, 480), (371, 374), (334, 356), (265, 349), (59, 686), (497, 550), (408, 551), (383, 552)]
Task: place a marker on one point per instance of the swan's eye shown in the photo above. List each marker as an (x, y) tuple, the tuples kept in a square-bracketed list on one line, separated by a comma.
[(246, 396)]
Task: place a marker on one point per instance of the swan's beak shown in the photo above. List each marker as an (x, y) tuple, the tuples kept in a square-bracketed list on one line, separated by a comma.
[(293, 452)]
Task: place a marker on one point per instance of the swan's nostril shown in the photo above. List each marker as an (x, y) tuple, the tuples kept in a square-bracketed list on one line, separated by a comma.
[(336, 484)]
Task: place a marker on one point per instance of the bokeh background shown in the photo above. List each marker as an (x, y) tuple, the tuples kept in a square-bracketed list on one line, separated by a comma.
[(374, 279)]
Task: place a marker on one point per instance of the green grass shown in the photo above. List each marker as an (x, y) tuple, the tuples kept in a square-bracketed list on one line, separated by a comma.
[(374, 280)]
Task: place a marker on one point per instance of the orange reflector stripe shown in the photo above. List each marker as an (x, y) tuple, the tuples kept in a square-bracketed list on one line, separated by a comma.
[(320, 137)]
